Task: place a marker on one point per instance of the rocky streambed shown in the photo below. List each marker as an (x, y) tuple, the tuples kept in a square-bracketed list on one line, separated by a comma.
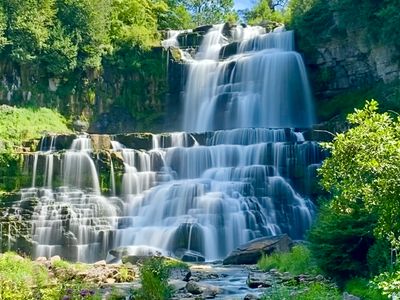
[(199, 281)]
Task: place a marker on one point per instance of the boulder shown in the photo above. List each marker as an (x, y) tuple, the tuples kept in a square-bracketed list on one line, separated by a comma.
[(190, 256), (252, 251), (251, 297), (80, 125), (258, 280), (193, 288)]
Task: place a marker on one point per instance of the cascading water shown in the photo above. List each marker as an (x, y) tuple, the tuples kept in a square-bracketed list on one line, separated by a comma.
[(264, 85), (239, 177), (73, 220)]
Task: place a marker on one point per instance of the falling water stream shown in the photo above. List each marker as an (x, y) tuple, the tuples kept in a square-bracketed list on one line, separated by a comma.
[(246, 179)]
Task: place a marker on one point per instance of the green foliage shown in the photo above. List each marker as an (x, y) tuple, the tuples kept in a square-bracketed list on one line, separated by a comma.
[(263, 12), (61, 53), (340, 242), (312, 20), (17, 276), (22, 124), (314, 291), (22, 279), (16, 126), (362, 288), (297, 261), (362, 172), (388, 283), (380, 257), (208, 12), (3, 27), (317, 21), (85, 24), (28, 27), (154, 279)]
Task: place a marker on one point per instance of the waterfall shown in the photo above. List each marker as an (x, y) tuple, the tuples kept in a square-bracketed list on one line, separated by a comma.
[(242, 168), (264, 85)]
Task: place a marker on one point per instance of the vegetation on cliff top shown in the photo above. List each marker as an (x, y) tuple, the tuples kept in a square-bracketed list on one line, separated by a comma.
[(18, 125)]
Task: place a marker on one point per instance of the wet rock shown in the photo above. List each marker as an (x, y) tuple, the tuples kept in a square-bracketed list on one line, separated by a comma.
[(178, 285), (135, 254), (211, 292), (229, 50), (187, 276), (259, 280), (191, 256), (190, 39), (100, 142), (193, 288), (251, 252), (251, 297), (203, 28), (136, 140)]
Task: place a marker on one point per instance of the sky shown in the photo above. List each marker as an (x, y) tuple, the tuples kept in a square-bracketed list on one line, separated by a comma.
[(242, 4)]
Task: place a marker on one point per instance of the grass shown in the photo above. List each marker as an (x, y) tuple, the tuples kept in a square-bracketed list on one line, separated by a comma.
[(154, 275), (314, 291), (21, 124), (297, 262), (361, 287), (22, 279)]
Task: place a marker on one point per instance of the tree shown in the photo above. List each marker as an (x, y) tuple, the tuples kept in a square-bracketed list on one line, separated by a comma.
[(265, 11), (28, 27), (364, 167), (3, 27), (209, 12), (134, 23), (176, 16), (86, 24)]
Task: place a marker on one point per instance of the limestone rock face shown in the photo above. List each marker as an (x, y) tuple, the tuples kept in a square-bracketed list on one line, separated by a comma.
[(347, 61), (251, 252)]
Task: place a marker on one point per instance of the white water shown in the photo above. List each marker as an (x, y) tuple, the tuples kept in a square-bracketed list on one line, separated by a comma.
[(205, 193), (265, 85)]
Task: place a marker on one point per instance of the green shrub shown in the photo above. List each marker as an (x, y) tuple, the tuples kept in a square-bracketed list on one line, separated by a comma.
[(18, 276), (298, 261), (362, 288), (314, 291), (340, 242), (22, 279), (388, 283), (154, 279)]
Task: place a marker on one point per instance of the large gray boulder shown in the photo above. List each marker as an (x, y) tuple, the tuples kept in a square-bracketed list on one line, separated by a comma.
[(252, 251)]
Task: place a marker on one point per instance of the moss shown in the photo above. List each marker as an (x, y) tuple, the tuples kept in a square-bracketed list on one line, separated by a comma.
[(344, 103)]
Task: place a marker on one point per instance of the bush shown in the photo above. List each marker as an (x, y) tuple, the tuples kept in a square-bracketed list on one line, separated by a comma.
[(22, 279), (154, 279), (362, 288), (388, 283), (340, 242), (314, 291), (298, 261)]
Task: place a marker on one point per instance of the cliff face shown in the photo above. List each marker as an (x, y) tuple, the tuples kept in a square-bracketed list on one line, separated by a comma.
[(349, 61), (124, 96)]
